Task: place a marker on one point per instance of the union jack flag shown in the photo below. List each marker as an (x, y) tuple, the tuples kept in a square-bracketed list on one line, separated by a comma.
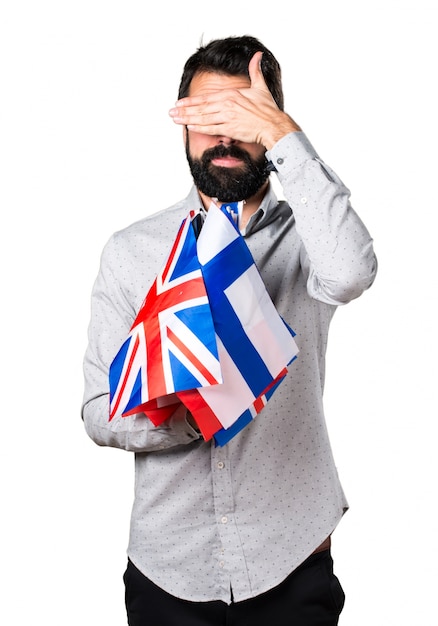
[(207, 335), (172, 344)]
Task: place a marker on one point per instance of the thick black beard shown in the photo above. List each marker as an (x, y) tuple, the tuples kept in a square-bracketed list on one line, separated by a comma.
[(228, 184)]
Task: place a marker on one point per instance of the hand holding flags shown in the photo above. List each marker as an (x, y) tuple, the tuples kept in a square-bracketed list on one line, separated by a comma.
[(207, 335)]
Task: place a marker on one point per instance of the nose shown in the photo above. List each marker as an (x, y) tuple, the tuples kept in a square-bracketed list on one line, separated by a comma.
[(227, 141)]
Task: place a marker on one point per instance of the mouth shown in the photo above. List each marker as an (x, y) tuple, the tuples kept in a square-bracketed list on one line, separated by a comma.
[(227, 161)]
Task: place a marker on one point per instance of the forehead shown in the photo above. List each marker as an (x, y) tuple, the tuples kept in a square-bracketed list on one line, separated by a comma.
[(208, 82)]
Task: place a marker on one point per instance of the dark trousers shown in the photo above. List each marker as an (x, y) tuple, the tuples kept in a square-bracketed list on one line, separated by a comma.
[(310, 596)]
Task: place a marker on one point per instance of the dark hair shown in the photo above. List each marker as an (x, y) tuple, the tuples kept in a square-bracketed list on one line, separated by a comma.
[(231, 57)]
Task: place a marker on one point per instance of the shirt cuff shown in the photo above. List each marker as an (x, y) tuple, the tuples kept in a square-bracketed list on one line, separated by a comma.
[(181, 427), (290, 152)]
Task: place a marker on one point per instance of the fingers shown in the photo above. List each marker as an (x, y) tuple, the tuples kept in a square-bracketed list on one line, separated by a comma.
[(255, 72), (190, 109), (209, 117), (198, 110)]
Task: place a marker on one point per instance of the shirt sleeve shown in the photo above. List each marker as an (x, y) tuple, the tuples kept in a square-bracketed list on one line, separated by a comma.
[(337, 248), (112, 314)]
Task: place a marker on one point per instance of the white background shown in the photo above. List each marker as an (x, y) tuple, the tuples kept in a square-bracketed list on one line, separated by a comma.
[(87, 147)]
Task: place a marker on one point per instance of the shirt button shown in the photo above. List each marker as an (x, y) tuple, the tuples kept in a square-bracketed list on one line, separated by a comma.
[(221, 563), (303, 200), (224, 519), (280, 161), (221, 465)]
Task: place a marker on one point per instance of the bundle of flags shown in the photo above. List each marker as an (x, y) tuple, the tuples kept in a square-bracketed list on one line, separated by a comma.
[(207, 335)]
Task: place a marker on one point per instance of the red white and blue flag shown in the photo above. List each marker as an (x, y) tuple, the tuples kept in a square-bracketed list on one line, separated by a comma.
[(172, 343), (207, 335)]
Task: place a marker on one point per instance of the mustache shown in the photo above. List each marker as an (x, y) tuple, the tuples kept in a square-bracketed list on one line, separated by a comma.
[(225, 151)]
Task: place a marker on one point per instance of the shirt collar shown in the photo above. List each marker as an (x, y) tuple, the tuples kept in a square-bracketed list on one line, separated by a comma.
[(259, 219)]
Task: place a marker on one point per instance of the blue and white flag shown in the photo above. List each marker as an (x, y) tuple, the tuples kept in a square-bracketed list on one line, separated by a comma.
[(255, 345)]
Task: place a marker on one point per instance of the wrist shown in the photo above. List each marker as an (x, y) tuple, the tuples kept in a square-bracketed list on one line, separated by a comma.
[(282, 127), (191, 422)]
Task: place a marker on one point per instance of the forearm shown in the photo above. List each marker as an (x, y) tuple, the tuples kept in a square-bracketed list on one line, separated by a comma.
[(338, 247), (113, 308), (135, 433)]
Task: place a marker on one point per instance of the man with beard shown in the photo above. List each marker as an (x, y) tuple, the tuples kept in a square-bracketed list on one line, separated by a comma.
[(237, 534)]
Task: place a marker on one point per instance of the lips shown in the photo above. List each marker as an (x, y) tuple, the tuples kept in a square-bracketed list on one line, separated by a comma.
[(227, 161), (226, 156)]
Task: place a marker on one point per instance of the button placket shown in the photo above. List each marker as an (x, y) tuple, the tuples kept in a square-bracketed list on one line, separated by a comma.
[(222, 484), (224, 504)]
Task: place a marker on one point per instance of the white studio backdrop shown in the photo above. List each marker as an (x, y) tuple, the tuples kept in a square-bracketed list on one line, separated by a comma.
[(87, 147)]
